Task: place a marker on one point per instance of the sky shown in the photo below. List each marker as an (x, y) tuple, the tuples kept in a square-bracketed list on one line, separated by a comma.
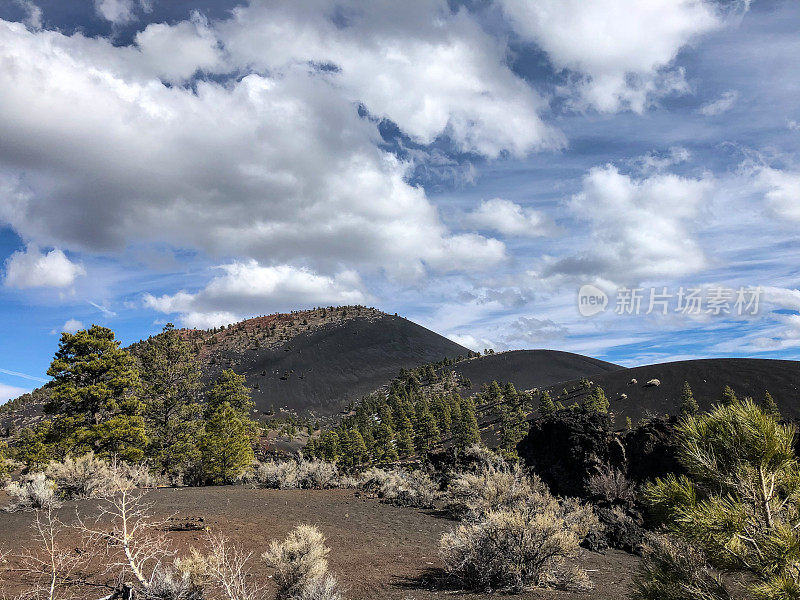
[(491, 169)]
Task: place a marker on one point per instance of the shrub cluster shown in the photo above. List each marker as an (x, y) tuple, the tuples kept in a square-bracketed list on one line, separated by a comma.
[(515, 533), (32, 492), (402, 488), (300, 473)]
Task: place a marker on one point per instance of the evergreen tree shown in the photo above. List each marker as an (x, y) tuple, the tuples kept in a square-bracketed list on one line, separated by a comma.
[(688, 403), (546, 405), (226, 448), (728, 396), (171, 384), (5, 462), (736, 512), (596, 401), (469, 433), (358, 449), (231, 388), (771, 407), (31, 446), (94, 397), (405, 442), (384, 443), (425, 429)]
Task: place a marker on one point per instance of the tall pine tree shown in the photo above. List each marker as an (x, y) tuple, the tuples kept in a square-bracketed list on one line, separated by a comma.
[(94, 397)]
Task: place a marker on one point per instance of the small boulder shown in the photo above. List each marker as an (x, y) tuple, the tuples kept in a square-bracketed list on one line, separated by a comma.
[(622, 397), (653, 383), (632, 382)]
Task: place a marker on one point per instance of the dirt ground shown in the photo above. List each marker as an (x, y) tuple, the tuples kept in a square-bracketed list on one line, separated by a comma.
[(377, 551)]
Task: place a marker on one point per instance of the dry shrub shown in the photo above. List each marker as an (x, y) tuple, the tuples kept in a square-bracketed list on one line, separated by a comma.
[(611, 485), (167, 585), (325, 588), (515, 548), (479, 458), (32, 493), (80, 477), (300, 473), (415, 488), (224, 570), (301, 564), (494, 487)]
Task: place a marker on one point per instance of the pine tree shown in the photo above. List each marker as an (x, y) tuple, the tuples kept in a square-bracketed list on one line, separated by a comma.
[(405, 442), (171, 386), (596, 401), (771, 407), (469, 433), (425, 429), (231, 388), (546, 405), (94, 397), (31, 446), (226, 447), (728, 396), (688, 403), (358, 448), (5, 462), (735, 513)]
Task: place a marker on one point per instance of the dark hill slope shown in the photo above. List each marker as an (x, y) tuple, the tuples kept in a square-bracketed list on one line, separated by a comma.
[(528, 369), (324, 368), (747, 376)]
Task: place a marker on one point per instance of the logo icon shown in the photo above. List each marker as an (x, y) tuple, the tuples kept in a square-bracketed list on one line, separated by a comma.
[(591, 300)]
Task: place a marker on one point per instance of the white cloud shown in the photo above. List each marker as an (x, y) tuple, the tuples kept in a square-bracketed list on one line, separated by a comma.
[(72, 325), (640, 228), (177, 52), (621, 50), (508, 218), (116, 11), (781, 190), (428, 69), (722, 104), (279, 168), (31, 268), (34, 13), (9, 392), (246, 289)]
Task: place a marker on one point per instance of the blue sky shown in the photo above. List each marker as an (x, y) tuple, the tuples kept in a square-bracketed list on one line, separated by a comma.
[(469, 165)]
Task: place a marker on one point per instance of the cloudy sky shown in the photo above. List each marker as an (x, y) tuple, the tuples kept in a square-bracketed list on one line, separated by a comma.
[(467, 164)]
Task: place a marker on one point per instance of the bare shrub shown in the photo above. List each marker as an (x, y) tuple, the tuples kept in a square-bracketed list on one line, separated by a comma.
[(415, 488), (168, 585), (80, 477), (48, 562), (225, 569), (32, 493), (611, 485), (125, 528), (494, 487), (300, 563), (311, 474), (514, 548)]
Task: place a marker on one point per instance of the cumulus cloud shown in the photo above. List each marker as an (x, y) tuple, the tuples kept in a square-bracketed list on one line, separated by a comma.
[(247, 288), (722, 104), (277, 166), (71, 326), (430, 70), (781, 190), (639, 228), (116, 11), (33, 12), (508, 218), (621, 51), (31, 268)]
